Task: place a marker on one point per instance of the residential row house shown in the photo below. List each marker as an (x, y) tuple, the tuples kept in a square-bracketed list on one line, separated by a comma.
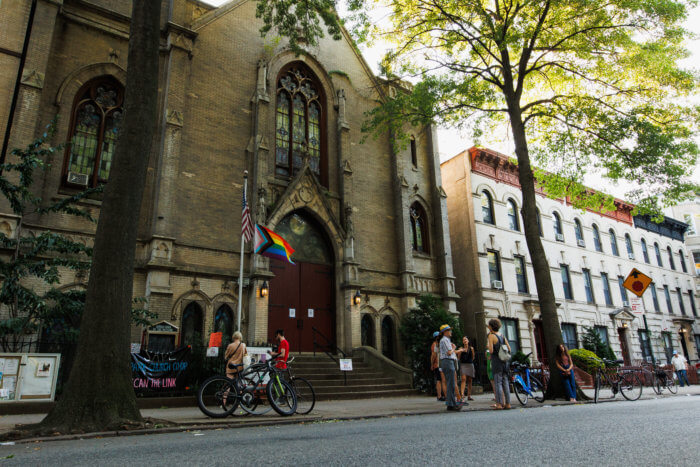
[(590, 254)]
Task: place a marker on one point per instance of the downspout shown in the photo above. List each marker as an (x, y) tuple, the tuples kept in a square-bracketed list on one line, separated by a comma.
[(18, 82)]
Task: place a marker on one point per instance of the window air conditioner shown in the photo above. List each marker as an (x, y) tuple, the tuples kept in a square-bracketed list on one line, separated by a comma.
[(497, 285), (560, 237), (581, 243), (630, 255), (626, 304), (77, 178)]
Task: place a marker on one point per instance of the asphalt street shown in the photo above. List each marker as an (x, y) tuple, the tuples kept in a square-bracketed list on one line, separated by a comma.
[(646, 432)]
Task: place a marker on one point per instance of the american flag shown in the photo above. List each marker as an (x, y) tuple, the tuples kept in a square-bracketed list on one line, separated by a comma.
[(246, 223)]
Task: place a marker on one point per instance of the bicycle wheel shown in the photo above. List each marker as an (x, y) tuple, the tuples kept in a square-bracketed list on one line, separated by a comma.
[(596, 388), (536, 389), (253, 397), (520, 393), (630, 387), (218, 397), (671, 385), (281, 396), (306, 397)]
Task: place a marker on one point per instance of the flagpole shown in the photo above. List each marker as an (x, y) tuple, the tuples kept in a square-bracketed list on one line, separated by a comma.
[(240, 273)]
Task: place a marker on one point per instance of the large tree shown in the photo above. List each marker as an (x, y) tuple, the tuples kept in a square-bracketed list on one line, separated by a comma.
[(585, 86)]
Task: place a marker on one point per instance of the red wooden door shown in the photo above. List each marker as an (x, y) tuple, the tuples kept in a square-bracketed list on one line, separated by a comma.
[(317, 295), (308, 289), (284, 294)]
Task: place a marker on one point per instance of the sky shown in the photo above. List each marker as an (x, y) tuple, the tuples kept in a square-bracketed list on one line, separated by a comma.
[(452, 141)]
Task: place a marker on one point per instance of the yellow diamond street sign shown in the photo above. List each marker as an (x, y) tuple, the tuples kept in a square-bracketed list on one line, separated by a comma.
[(637, 282)]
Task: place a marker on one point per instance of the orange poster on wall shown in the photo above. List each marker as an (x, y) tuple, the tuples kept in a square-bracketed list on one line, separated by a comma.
[(215, 339)]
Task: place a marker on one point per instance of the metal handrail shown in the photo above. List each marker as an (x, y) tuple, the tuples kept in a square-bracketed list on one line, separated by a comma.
[(329, 346)]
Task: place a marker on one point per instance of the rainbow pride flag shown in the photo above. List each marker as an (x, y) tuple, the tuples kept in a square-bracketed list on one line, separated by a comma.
[(268, 243)]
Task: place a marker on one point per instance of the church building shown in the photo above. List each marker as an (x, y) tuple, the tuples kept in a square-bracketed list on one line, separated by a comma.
[(368, 221)]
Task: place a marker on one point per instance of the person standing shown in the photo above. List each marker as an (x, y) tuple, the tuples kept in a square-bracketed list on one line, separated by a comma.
[(282, 354), (447, 359), (679, 364), (566, 369), (466, 367), (499, 368), (435, 366), (234, 354)]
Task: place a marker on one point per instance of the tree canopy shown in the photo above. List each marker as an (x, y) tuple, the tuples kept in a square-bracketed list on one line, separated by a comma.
[(596, 85)]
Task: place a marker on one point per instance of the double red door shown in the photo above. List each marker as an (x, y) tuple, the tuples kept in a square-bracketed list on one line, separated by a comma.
[(301, 298)]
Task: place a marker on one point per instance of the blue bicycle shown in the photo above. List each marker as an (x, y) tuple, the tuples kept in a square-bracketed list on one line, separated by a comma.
[(525, 384)]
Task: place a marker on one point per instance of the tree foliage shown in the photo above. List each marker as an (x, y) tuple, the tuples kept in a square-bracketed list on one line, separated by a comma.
[(596, 86), (416, 331), (591, 341), (32, 262)]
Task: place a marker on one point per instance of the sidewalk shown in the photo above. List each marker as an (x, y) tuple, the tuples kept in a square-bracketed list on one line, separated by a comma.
[(191, 418)]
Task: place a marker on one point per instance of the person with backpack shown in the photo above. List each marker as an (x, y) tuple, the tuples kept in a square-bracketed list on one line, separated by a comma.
[(435, 367), (500, 356)]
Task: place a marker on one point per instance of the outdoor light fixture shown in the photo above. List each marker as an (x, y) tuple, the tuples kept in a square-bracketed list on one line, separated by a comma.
[(264, 290), (357, 299)]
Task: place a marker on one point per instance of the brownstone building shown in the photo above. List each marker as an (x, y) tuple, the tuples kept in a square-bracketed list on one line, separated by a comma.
[(362, 217)]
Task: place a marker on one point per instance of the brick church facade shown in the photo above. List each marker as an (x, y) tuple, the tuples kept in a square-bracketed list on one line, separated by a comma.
[(362, 216)]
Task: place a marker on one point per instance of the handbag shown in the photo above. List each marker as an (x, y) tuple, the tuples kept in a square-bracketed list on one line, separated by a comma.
[(503, 351), (246, 361)]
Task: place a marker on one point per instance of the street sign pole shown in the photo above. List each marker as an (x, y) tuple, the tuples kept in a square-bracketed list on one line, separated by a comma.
[(637, 283)]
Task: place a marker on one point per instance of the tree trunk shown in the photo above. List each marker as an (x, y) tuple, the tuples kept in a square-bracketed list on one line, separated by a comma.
[(543, 278), (99, 393)]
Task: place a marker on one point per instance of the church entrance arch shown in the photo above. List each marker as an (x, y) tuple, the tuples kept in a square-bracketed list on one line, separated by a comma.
[(302, 294)]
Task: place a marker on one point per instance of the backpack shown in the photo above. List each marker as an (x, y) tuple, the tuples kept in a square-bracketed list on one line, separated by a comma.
[(503, 351)]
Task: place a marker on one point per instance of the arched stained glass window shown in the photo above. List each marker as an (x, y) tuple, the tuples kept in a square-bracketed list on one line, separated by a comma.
[(367, 330), (192, 325), (96, 118), (299, 123), (388, 337), (419, 229), (223, 323)]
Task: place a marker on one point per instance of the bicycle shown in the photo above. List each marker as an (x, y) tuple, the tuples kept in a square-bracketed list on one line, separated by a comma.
[(219, 396), (663, 380), (527, 386), (626, 383), (306, 396)]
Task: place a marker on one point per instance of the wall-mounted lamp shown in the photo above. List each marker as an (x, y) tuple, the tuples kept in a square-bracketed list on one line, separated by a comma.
[(682, 330), (624, 325), (264, 289), (357, 299)]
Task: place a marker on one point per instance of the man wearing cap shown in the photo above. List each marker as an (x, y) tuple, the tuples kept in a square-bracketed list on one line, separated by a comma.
[(447, 365), (435, 366), (679, 362)]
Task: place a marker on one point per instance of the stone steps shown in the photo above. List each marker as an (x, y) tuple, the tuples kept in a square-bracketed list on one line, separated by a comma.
[(330, 383)]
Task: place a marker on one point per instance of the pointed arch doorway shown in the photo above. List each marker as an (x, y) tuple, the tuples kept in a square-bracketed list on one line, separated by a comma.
[(306, 287)]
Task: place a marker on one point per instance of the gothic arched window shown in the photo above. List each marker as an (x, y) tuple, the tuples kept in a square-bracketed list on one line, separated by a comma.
[(419, 229), (192, 325), (299, 128), (95, 121), (367, 330), (223, 322)]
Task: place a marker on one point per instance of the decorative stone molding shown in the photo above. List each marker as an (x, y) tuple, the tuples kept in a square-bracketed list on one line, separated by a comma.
[(347, 169), (175, 118), (33, 78)]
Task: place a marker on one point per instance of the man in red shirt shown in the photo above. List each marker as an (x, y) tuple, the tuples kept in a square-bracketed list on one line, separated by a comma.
[(282, 351)]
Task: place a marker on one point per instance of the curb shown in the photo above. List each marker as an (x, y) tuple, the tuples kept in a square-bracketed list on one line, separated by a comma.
[(184, 427)]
